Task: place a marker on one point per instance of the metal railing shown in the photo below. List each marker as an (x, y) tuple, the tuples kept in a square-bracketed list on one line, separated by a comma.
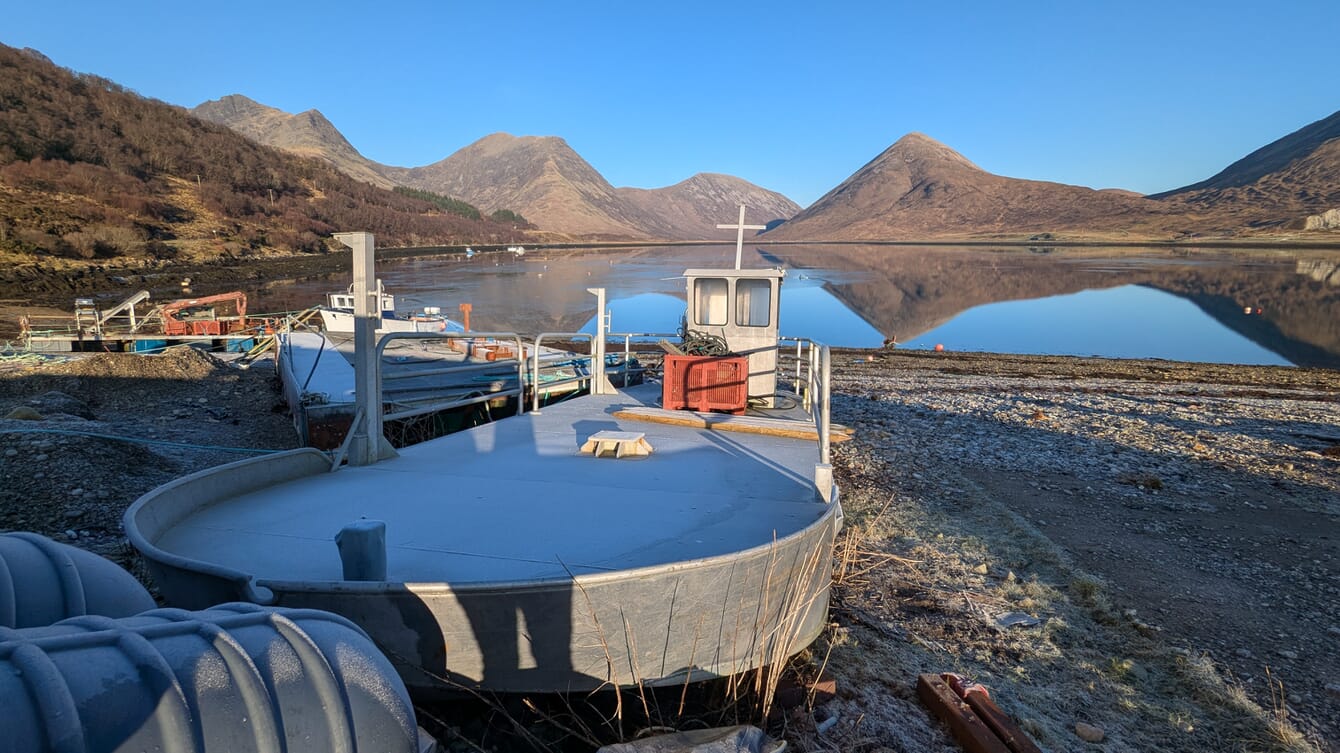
[(535, 364), (628, 338), (813, 384), (812, 379)]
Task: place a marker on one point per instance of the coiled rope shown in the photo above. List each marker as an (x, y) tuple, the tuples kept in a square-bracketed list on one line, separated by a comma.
[(702, 344)]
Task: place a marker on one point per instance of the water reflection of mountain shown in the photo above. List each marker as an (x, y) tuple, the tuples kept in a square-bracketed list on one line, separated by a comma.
[(905, 291), (902, 291)]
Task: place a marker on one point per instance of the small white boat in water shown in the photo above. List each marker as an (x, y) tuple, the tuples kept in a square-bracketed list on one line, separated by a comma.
[(337, 315), (518, 250)]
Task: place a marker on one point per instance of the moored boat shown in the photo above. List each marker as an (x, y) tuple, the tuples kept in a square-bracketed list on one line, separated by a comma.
[(337, 315)]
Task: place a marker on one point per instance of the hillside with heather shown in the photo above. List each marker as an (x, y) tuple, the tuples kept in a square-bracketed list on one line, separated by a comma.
[(90, 171), (1297, 176)]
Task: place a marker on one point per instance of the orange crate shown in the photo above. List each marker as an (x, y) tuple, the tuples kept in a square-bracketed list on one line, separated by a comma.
[(706, 383)]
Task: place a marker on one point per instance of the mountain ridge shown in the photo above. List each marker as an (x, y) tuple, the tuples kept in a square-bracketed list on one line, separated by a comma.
[(308, 133), (540, 177), (920, 189), (1271, 158)]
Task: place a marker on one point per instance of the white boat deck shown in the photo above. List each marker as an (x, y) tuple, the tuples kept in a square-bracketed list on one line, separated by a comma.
[(514, 500), (322, 364)]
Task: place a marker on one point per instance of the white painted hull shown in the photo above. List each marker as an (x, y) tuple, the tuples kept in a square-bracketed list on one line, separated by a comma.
[(343, 321)]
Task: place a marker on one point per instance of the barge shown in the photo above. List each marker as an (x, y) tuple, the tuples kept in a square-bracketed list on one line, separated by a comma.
[(602, 541)]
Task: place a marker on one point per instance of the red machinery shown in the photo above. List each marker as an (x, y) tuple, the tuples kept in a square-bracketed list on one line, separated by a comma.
[(222, 314)]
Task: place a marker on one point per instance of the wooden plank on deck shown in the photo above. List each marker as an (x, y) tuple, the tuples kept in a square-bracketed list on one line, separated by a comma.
[(773, 427)]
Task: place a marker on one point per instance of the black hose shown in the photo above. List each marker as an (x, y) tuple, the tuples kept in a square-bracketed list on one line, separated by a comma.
[(703, 344)]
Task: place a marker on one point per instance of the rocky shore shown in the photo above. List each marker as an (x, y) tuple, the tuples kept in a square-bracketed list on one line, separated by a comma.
[(1145, 548), (1160, 536)]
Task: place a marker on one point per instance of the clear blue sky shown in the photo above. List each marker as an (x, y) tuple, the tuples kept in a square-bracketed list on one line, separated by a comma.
[(793, 96)]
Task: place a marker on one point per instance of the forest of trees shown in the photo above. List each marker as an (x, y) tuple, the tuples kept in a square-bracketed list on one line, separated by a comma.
[(90, 170), (509, 217), (445, 203)]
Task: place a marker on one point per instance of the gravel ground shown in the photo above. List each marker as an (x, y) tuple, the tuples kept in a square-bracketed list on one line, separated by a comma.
[(1165, 532), (1171, 527), (60, 481)]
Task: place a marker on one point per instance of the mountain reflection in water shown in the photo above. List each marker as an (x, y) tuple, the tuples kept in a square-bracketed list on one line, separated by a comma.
[(1118, 302)]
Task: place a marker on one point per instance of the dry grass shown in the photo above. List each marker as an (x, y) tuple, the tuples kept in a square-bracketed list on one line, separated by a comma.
[(919, 586), (766, 652)]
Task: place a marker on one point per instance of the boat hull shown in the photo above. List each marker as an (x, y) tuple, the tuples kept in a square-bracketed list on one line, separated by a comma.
[(664, 624), (343, 321), (657, 626)]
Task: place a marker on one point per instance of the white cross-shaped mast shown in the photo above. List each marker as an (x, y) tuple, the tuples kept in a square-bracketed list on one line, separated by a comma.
[(740, 227)]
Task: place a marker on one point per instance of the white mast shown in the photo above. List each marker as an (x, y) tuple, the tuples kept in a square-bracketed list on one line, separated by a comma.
[(740, 227)]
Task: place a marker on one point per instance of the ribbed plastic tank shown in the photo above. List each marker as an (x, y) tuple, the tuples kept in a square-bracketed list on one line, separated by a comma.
[(237, 678), (42, 581)]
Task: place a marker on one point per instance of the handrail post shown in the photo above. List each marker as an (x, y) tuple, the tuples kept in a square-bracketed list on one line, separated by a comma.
[(823, 470), (521, 374), (797, 363), (825, 406), (535, 376)]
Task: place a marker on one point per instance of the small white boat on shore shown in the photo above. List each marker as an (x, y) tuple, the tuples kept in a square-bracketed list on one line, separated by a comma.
[(337, 315)]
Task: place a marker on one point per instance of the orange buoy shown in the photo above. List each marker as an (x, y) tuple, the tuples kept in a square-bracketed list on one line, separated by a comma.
[(939, 348)]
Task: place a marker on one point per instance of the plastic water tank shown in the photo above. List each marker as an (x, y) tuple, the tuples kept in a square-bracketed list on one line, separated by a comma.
[(42, 581), (237, 677)]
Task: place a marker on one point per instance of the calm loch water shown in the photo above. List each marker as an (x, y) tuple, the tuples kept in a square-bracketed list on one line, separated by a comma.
[(1279, 306)]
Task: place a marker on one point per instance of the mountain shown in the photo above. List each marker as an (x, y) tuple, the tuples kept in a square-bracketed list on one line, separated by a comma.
[(693, 208), (1279, 184), (919, 188), (307, 133), (93, 173), (547, 182), (540, 177), (1277, 156)]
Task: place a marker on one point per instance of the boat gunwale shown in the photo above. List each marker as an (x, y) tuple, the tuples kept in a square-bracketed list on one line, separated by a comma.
[(261, 590)]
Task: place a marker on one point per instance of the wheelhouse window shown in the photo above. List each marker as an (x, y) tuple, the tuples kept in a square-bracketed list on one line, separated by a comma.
[(753, 303), (710, 296)]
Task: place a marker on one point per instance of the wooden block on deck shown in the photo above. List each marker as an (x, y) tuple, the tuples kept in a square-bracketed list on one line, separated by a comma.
[(619, 444)]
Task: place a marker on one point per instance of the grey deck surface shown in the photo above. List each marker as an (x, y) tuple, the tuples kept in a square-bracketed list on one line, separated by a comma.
[(514, 500)]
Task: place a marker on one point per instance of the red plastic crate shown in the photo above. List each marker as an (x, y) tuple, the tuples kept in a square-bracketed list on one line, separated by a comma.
[(705, 383)]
